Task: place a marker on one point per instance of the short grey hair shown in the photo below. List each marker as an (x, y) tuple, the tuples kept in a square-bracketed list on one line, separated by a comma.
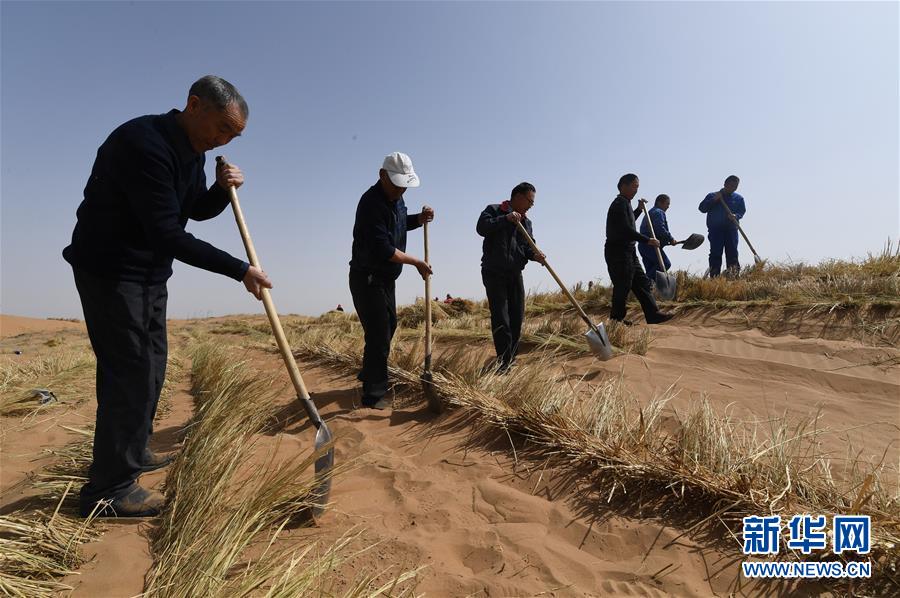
[(219, 92)]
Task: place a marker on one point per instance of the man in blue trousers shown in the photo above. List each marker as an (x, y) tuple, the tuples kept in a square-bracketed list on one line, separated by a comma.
[(723, 228), (661, 228)]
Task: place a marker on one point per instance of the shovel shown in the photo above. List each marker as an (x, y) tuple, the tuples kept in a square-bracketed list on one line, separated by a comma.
[(434, 402), (323, 435), (665, 282), (728, 211), (692, 242), (596, 336)]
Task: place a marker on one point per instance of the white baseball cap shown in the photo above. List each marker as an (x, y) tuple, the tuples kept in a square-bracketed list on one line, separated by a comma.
[(400, 169)]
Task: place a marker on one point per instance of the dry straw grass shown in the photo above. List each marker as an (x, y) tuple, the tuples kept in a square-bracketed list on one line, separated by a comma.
[(831, 284), (217, 536), (68, 372), (697, 457), (36, 550)]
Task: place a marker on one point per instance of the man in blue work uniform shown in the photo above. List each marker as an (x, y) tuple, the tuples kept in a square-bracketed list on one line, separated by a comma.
[(504, 255), (379, 252), (723, 231), (147, 181), (661, 228)]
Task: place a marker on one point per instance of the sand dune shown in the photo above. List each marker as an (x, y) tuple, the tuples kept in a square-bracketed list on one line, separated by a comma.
[(477, 518)]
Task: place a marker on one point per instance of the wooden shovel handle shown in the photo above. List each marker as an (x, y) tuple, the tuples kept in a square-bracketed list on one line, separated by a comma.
[(271, 312), (562, 286), (427, 302), (662, 262), (738, 224)]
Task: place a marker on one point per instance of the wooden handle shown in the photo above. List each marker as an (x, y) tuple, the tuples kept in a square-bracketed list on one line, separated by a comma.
[(274, 320), (562, 286), (427, 303), (662, 262), (738, 224)]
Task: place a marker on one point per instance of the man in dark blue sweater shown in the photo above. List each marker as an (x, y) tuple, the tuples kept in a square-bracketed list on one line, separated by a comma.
[(147, 181), (379, 252), (504, 255), (661, 228), (621, 259)]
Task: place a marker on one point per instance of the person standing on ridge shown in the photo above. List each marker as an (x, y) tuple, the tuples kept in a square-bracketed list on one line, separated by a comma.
[(621, 258), (146, 182), (378, 256), (504, 255), (722, 227)]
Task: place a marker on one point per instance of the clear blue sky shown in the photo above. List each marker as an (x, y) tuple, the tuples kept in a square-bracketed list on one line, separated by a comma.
[(798, 99)]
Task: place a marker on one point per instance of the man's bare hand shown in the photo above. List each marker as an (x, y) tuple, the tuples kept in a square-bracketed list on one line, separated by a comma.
[(514, 217), (256, 280), (540, 258), (426, 215), (228, 175), (424, 269), (653, 243)]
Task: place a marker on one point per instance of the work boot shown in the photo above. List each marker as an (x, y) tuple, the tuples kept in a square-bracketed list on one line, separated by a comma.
[(153, 460), (138, 502), (660, 317), (380, 404)]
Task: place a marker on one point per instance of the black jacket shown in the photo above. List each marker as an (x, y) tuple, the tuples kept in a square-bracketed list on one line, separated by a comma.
[(504, 250), (620, 230), (380, 228), (146, 183)]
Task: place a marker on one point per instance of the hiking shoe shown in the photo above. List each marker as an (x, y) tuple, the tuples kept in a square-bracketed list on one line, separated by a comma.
[(660, 317), (153, 460), (373, 403), (139, 502)]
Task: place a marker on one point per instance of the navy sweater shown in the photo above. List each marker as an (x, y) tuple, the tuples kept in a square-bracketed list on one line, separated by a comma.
[(146, 183)]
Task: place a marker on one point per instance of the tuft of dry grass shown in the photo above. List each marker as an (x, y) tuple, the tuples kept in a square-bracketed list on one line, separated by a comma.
[(217, 536), (36, 550), (413, 316), (68, 372), (697, 457)]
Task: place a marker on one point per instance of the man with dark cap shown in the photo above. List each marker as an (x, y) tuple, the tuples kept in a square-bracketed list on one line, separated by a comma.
[(504, 255), (621, 258), (722, 227), (147, 181), (661, 228), (379, 252)]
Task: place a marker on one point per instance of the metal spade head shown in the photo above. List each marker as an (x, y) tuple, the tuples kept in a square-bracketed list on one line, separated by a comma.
[(665, 285), (693, 242), (324, 463), (599, 343)]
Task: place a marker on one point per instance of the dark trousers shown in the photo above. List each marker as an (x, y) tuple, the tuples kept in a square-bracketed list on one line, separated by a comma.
[(376, 307), (719, 239), (126, 322), (506, 300), (626, 275), (651, 260)]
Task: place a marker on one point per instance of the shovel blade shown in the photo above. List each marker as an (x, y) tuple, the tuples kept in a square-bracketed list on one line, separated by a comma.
[(665, 285), (434, 401), (599, 343), (693, 242), (324, 463)]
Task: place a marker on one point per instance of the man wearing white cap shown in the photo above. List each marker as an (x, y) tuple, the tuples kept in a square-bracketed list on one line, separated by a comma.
[(379, 252)]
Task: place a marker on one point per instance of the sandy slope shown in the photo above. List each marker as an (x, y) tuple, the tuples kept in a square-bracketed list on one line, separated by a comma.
[(483, 522)]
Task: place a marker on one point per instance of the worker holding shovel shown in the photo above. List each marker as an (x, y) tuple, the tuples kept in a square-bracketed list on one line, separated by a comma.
[(379, 253), (723, 209), (147, 181), (621, 258), (505, 252), (657, 217)]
